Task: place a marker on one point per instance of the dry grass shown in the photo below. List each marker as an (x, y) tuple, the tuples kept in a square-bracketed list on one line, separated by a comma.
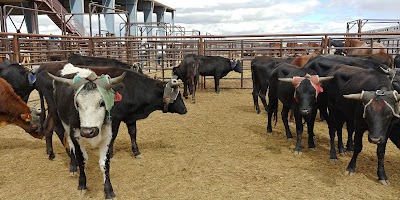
[(218, 150)]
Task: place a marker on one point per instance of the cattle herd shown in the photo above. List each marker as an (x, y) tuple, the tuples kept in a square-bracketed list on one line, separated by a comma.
[(85, 99)]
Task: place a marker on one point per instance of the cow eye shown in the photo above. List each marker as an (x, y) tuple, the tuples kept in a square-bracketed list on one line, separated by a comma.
[(102, 104)]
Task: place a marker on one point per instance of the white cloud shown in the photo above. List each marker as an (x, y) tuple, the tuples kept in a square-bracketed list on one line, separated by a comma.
[(219, 17)]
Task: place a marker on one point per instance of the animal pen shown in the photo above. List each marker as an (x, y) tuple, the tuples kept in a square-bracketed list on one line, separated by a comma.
[(32, 50)]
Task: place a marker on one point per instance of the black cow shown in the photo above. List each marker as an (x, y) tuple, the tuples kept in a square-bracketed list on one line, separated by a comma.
[(323, 65), (188, 72), (368, 100), (297, 89), (261, 68), (141, 96), (207, 66), (337, 43), (396, 61), (83, 105), (327, 62), (77, 59), (21, 79)]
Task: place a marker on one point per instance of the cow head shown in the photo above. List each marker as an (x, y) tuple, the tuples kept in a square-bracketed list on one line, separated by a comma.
[(236, 65), (93, 99), (379, 109), (172, 99), (306, 91)]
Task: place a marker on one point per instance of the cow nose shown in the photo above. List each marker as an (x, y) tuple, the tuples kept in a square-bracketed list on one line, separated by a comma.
[(375, 140), (89, 132), (304, 111)]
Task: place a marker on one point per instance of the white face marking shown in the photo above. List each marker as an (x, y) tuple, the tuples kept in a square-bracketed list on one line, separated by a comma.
[(71, 69), (90, 108)]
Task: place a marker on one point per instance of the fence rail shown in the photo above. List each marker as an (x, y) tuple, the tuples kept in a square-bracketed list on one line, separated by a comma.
[(159, 54)]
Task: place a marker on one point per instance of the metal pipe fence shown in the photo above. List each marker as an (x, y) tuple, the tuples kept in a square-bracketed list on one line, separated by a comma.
[(159, 54)]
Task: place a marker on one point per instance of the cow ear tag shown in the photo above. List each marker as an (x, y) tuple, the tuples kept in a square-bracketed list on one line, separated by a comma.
[(118, 96)]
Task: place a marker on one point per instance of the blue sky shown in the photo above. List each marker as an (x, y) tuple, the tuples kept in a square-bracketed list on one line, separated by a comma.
[(265, 16)]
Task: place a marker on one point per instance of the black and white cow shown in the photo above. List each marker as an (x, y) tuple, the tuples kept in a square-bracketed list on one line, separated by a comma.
[(83, 105)]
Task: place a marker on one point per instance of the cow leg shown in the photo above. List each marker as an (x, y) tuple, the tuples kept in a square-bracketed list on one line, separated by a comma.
[(216, 81), (285, 114), (262, 95), (132, 133), (380, 151), (339, 132), (351, 168), (115, 127), (299, 131), (350, 130), (185, 88), (48, 132), (310, 128), (272, 108), (332, 130), (81, 163), (255, 94), (193, 86), (104, 162)]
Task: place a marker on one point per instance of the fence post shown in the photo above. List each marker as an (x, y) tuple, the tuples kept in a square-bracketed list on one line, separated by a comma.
[(281, 49), (325, 45), (241, 60), (372, 44), (201, 52), (91, 44), (15, 48)]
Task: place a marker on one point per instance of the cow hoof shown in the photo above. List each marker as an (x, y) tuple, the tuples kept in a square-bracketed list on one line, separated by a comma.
[(82, 192), (343, 153), (313, 149), (334, 160), (194, 101), (258, 111), (73, 174), (140, 156), (186, 97), (51, 156), (298, 153), (348, 173), (289, 139), (384, 182)]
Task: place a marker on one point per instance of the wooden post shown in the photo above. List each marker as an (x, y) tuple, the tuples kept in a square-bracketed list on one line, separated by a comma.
[(15, 48)]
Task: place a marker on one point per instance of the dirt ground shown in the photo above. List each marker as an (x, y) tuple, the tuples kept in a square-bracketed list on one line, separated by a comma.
[(218, 150)]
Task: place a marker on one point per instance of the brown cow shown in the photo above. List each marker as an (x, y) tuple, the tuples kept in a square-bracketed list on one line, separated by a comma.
[(15, 111), (361, 44), (302, 60)]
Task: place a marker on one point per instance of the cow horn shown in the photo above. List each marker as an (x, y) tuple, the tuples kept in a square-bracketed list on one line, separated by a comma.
[(386, 71), (60, 79), (327, 78), (357, 96), (117, 79), (289, 80)]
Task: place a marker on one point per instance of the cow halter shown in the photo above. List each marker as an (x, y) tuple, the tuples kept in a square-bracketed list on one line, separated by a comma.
[(171, 92), (314, 80), (103, 85), (388, 97)]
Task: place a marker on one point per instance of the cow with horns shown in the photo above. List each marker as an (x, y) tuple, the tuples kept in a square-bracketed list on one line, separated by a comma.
[(141, 96), (297, 89), (84, 104), (368, 100)]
